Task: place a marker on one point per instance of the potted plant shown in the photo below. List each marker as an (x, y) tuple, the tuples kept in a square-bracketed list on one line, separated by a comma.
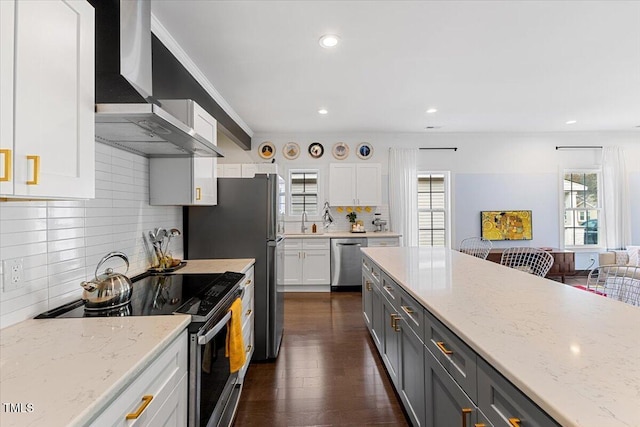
[(352, 219)]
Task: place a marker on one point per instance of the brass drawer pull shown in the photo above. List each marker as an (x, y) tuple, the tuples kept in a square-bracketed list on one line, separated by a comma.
[(7, 165), (394, 322), (248, 282), (515, 422), (36, 170), (198, 193), (480, 425), (465, 412), (444, 349), (368, 283), (248, 349), (407, 309), (248, 312), (146, 399)]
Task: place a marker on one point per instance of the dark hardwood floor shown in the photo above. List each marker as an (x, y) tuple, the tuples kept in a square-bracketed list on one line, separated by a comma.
[(328, 371)]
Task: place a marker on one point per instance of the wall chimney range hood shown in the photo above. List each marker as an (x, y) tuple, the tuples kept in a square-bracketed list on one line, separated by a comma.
[(127, 115)]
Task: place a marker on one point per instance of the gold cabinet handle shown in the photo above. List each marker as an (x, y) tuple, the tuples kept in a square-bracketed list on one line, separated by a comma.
[(394, 322), (198, 193), (248, 349), (7, 165), (248, 282), (515, 422), (36, 170), (368, 283), (442, 348), (465, 412), (146, 399), (407, 309), (248, 312), (480, 425)]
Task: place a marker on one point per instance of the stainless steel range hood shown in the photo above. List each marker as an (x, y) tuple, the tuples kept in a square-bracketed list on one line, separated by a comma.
[(127, 116)]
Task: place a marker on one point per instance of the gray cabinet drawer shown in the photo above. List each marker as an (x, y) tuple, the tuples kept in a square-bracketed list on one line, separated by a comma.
[(501, 402), (390, 290), (454, 355), (412, 313)]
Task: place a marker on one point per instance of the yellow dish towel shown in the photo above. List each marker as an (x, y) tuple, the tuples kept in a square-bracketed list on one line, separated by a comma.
[(235, 342)]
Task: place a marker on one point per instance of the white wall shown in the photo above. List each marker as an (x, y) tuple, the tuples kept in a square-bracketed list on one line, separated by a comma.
[(61, 242), (489, 171)]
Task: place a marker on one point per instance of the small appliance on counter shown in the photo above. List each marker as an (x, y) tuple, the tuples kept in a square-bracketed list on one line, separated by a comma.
[(379, 223)]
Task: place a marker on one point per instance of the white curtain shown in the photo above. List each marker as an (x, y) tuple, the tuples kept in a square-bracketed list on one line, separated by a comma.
[(403, 194), (616, 212)]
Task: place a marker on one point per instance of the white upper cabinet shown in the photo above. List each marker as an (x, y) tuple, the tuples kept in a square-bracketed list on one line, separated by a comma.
[(47, 138), (184, 181), (355, 184)]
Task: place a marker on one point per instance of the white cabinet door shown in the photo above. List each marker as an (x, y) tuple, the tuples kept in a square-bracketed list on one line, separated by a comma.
[(368, 184), (342, 184), (292, 267), (53, 143), (7, 11), (355, 184), (205, 181), (316, 269)]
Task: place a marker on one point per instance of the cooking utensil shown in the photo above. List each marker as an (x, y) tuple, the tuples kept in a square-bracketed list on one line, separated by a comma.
[(108, 290), (174, 232)]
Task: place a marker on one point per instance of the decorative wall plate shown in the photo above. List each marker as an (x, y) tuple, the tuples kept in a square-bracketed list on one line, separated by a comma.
[(340, 150), (291, 150), (364, 151), (266, 150), (316, 150)]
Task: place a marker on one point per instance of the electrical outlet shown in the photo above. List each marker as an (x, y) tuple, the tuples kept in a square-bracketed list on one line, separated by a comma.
[(13, 272)]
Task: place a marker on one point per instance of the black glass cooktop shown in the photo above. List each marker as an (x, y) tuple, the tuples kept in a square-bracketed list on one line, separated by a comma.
[(155, 295)]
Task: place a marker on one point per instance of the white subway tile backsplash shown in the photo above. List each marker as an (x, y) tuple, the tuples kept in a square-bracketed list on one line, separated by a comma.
[(61, 242)]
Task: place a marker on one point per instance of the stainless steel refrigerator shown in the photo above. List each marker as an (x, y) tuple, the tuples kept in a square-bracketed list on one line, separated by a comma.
[(247, 223)]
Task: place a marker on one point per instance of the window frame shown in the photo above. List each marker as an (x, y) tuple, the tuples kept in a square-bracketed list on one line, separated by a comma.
[(564, 210), (319, 193), (447, 205)]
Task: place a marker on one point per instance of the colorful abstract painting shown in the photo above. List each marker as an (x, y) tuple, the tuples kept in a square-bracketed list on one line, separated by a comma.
[(506, 225)]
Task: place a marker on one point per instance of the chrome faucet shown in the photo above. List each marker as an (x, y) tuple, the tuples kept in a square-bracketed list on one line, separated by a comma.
[(304, 228)]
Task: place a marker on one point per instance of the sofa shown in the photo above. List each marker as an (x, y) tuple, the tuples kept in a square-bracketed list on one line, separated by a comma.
[(629, 256)]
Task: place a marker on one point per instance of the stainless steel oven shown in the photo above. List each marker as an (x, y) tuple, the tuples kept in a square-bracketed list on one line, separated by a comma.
[(213, 391)]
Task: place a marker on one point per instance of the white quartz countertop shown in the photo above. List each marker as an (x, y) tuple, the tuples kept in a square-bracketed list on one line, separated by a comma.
[(341, 234), (68, 369), (574, 353), (203, 266)]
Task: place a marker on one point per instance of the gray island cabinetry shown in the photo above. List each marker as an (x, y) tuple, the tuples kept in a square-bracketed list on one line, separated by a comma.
[(467, 342)]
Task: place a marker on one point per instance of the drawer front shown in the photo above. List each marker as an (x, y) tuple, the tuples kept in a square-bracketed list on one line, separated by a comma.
[(390, 290), (383, 241), (505, 405), (293, 244), (315, 244), (247, 337), (412, 312), (158, 380), (452, 353), (366, 264)]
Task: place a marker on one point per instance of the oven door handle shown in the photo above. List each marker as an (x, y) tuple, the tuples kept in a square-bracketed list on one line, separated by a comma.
[(203, 339)]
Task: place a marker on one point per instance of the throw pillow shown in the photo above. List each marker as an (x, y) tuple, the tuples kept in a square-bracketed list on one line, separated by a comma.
[(634, 255)]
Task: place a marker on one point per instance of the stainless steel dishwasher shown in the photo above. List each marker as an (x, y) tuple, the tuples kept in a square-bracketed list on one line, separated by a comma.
[(346, 263)]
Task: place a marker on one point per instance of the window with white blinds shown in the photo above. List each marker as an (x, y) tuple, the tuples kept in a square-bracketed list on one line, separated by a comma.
[(303, 185), (432, 209)]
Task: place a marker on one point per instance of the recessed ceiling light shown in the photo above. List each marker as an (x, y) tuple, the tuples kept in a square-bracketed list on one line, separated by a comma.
[(431, 110), (329, 40), (322, 111), (571, 122)]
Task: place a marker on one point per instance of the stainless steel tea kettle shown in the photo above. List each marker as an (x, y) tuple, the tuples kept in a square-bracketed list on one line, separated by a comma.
[(108, 290)]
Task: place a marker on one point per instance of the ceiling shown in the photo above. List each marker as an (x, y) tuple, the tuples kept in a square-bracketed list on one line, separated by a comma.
[(486, 66)]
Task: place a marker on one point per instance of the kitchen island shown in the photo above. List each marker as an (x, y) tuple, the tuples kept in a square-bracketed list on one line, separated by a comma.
[(65, 372), (574, 354)]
